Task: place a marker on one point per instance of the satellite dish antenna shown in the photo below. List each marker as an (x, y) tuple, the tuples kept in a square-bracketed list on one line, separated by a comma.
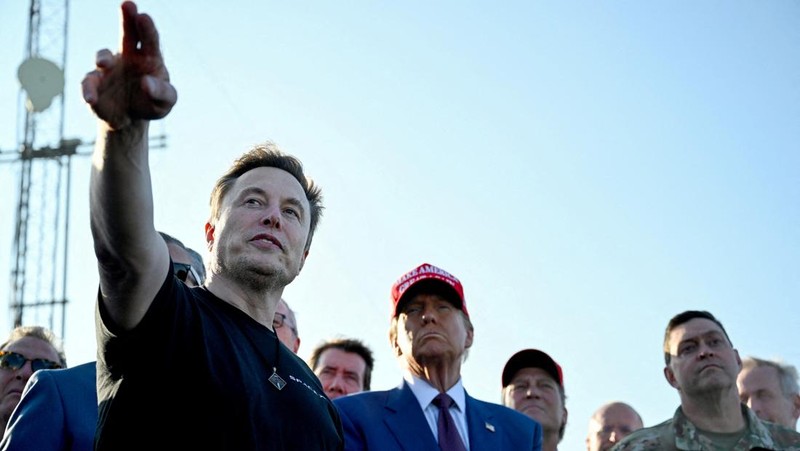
[(42, 80)]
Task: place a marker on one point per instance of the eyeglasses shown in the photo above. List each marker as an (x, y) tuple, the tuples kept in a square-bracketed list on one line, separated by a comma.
[(279, 320), (14, 361), (182, 271)]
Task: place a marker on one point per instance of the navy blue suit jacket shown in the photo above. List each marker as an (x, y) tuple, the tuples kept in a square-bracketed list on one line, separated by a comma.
[(393, 420), (57, 411)]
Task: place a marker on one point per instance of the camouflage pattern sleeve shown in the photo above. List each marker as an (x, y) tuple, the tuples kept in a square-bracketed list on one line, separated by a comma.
[(680, 433), (647, 439)]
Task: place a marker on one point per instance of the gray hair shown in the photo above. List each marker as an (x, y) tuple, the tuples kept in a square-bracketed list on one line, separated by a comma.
[(42, 333), (197, 259), (787, 374)]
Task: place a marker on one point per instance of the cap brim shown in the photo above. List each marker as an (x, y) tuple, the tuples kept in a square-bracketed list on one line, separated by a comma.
[(430, 286), (531, 358)]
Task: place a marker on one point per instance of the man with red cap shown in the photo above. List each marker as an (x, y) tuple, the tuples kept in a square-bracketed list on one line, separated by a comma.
[(430, 333), (533, 384)]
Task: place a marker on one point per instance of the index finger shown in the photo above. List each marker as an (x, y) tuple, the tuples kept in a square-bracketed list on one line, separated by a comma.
[(130, 31)]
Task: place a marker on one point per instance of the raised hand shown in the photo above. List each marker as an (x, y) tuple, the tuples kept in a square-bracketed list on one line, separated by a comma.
[(132, 85)]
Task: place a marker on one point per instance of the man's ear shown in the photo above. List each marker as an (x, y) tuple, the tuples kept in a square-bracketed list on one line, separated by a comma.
[(210, 229), (796, 406), (393, 339), (670, 377), (302, 261)]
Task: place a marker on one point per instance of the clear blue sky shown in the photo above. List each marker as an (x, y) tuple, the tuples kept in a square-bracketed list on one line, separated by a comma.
[(588, 169)]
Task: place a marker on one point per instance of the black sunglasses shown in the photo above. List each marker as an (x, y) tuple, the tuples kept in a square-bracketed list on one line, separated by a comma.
[(14, 361), (182, 271)]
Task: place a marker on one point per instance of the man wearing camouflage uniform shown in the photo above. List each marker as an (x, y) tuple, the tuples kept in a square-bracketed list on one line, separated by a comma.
[(702, 365)]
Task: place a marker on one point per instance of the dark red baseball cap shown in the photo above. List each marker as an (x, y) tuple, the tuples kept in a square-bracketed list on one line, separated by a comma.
[(427, 278), (532, 358)]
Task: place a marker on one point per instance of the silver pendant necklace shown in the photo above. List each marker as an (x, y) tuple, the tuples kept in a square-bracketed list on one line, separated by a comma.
[(275, 379)]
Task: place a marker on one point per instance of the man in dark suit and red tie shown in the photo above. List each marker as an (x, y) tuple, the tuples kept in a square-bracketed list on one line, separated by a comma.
[(430, 333)]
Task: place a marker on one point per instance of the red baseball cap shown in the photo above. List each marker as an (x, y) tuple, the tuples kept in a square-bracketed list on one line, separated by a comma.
[(428, 278), (532, 358)]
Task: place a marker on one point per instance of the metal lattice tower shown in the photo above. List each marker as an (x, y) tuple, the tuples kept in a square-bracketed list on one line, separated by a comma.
[(39, 270), (41, 234)]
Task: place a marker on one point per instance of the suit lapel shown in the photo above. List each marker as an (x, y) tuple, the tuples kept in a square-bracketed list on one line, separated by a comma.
[(406, 421), (483, 432)]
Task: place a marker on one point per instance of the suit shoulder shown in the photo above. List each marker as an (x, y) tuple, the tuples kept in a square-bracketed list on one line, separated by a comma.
[(357, 400), (506, 413), (84, 370), (494, 408)]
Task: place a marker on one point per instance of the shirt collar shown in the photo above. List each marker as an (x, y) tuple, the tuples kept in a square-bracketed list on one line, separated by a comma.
[(425, 392)]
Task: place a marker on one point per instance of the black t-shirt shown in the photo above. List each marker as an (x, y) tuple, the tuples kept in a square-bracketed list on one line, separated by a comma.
[(194, 374)]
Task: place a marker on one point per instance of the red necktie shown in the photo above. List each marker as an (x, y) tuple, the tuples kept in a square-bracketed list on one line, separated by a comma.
[(449, 440)]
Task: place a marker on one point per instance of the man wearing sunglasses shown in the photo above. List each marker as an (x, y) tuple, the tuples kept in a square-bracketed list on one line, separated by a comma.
[(187, 264), (208, 356), (27, 349)]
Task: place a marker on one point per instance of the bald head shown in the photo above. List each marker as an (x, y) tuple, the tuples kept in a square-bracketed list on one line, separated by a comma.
[(610, 424)]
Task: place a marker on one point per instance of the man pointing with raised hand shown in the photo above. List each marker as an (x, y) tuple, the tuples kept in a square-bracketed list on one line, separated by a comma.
[(195, 368)]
